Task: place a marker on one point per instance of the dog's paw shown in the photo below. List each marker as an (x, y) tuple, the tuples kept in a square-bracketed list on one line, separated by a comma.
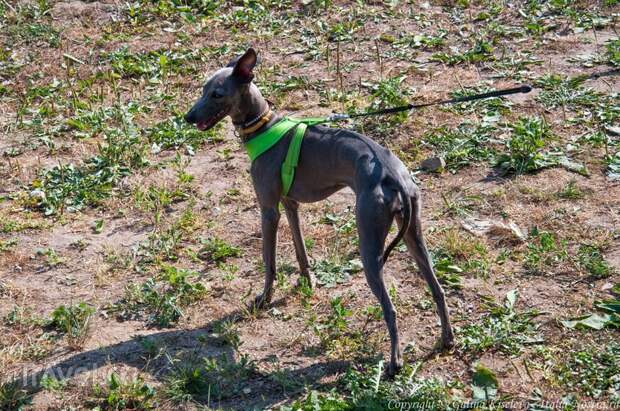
[(447, 342), (393, 368), (260, 302)]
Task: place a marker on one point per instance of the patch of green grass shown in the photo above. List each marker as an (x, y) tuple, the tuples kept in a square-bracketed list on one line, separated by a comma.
[(337, 336), (216, 378), (13, 397), (52, 258), (558, 91), (481, 51), (594, 371), (217, 250), (368, 390), (592, 260), (328, 272), (34, 32), (391, 92), (174, 133), (52, 384), (613, 52), (119, 394), (228, 332), (423, 41), (155, 200), (73, 320), (448, 273), (6, 245), (544, 251), (454, 251), (160, 246), (189, 9), (524, 155), (23, 317), (153, 64), (462, 146), (613, 166), (161, 299), (460, 204), (490, 108), (70, 187), (186, 383), (571, 191), (9, 225), (503, 329)]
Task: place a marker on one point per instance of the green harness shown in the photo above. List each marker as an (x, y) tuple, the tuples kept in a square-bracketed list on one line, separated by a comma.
[(268, 138)]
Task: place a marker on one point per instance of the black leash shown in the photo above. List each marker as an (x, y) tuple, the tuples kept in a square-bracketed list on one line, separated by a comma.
[(496, 93)]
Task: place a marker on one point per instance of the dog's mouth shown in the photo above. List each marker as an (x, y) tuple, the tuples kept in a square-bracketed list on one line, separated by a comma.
[(204, 125)]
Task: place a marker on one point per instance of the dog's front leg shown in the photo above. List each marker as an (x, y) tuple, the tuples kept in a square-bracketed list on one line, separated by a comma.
[(270, 216)]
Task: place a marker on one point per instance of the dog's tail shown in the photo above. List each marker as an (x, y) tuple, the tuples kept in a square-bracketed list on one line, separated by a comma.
[(406, 211)]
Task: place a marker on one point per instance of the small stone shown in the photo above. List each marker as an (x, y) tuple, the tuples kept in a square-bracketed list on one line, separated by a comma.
[(495, 230), (433, 164), (612, 131)]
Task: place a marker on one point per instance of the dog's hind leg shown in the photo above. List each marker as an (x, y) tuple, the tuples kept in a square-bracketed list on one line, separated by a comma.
[(374, 219), (292, 215), (270, 217), (417, 248)]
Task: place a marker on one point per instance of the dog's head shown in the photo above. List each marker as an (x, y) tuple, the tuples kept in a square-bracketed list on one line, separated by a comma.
[(224, 93)]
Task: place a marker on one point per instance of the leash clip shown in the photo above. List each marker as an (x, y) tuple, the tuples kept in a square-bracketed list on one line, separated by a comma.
[(338, 117)]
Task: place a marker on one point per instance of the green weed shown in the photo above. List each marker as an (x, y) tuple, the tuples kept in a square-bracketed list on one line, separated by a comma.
[(13, 397), (613, 52), (529, 136), (153, 64), (328, 273), (227, 332), (462, 146), (186, 383), (454, 252), (161, 299), (503, 328), (490, 108), (369, 391), (6, 245), (544, 251), (423, 41), (592, 260), (70, 187), (118, 394), (52, 384), (174, 133), (594, 371), (216, 378), (217, 250), (571, 191), (566, 93), (35, 32), (337, 337), (388, 93), (73, 320), (161, 245), (481, 51)]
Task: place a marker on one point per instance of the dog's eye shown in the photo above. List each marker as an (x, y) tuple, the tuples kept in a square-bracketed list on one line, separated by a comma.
[(216, 94)]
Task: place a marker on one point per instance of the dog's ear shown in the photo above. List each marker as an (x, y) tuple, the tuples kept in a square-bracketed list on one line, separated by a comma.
[(243, 66)]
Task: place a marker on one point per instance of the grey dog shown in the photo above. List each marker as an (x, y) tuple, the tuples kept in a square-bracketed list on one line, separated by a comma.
[(330, 159)]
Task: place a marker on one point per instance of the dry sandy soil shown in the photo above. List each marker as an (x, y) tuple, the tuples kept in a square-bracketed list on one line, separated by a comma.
[(63, 64)]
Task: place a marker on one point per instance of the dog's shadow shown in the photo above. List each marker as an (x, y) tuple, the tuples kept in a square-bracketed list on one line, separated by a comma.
[(231, 383)]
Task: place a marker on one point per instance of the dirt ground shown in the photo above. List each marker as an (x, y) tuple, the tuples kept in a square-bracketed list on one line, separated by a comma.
[(63, 61)]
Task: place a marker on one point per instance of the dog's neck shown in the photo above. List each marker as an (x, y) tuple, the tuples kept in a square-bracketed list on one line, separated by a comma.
[(251, 116)]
